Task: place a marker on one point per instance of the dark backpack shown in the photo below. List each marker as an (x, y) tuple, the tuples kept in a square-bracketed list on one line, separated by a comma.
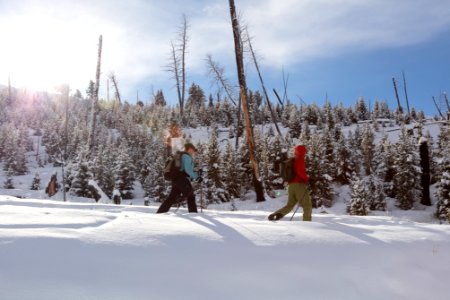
[(287, 171), (172, 169)]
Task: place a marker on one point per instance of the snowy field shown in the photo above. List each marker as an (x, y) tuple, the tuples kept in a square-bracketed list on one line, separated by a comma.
[(66, 250)]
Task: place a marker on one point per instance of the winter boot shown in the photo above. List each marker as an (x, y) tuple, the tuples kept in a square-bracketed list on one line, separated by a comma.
[(275, 216)]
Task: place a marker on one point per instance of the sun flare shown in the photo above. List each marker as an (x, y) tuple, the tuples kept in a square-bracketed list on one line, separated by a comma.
[(42, 53)]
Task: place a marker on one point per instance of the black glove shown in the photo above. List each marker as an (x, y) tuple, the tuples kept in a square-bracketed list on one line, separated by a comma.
[(200, 179)]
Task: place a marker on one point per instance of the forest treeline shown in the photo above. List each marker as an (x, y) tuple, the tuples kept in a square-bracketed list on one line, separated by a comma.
[(130, 147)]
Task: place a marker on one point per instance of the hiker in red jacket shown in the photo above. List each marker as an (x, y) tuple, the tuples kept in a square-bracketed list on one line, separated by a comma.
[(297, 188)]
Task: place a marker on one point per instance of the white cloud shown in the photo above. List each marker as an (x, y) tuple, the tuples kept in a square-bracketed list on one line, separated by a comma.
[(294, 31), (61, 36)]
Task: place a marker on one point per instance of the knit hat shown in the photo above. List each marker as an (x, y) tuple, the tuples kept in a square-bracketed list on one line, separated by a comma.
[(300, 150), (188, 146)]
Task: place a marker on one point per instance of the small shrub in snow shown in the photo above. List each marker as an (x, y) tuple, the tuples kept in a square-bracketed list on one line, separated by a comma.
[(8, 184), (357, 205), (36, 184)]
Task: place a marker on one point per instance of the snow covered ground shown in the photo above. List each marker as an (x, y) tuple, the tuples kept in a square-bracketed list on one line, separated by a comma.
[(71, 250)]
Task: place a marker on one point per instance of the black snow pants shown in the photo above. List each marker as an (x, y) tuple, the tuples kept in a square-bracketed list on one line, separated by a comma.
[(180, 187)]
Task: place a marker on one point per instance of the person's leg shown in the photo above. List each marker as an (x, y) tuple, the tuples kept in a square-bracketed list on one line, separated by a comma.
[(305, 202), (289, 205), (188, 194), (167, 204), (192, 206)]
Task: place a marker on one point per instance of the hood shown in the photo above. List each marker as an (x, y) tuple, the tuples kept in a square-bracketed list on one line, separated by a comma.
[(300, 150)]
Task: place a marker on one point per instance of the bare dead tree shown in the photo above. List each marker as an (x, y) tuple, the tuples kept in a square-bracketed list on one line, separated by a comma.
[(438, 109), (217, 73), (107, 89), (95, 96), (243, 93), (278, 97), (255, 61), (177, 64), (175, 69), (406, 93), (10, 100), (301, 100), (285, 84), (446, 101), (448, 105), (115, 83), (400, 109)]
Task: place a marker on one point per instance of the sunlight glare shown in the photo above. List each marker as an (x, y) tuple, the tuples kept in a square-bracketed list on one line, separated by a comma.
[(41, 53)]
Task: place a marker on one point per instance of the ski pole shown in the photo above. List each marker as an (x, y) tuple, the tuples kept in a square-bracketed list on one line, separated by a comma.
[(201, 197), (298, 205)]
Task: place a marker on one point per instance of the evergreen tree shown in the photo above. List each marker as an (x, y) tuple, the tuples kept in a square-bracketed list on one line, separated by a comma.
[(36, 184), (155, 186), (9, 147), (384, 158), (443, 196), (367, 147), (245, 168), (295, 124), (329, 155), (443, 187), (329, 116), (20, 162), (362, 113), (79, 175), (407, 171), (375, 197), (8, 183), (214, 186), (278, 153), (102, 168), (265, 168), (344, 163), (320, 181), (357, 205), (231, 172), (124, 171), (159, 99)]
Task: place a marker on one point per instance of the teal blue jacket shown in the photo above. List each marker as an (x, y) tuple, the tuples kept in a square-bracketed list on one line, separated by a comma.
[(187, 165)]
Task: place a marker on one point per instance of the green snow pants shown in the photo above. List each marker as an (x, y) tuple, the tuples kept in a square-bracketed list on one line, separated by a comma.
[(298, 193)]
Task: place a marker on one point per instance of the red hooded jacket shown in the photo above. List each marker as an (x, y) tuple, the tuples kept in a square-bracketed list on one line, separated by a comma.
[(299, 165)]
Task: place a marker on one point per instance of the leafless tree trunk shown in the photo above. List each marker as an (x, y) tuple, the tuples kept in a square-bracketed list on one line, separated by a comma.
[(448, 106), (278, 97), (243, 92), (184, 40), (9, 91), (175, 68), (216, 71), (255, 61), (400, 109), (406, 93), (107, 89), (438, 109), (285, 84), (113, 78), (177, 65), (95, 96)]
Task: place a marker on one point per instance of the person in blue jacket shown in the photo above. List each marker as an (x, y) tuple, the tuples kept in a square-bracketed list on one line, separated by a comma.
[(181, 184)]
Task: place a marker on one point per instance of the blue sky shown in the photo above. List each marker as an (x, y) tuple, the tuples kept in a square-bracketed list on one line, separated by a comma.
[(344, 49)]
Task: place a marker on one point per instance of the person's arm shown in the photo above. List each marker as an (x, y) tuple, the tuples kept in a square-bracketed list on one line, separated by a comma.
[(300, 169), (187, 165)]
